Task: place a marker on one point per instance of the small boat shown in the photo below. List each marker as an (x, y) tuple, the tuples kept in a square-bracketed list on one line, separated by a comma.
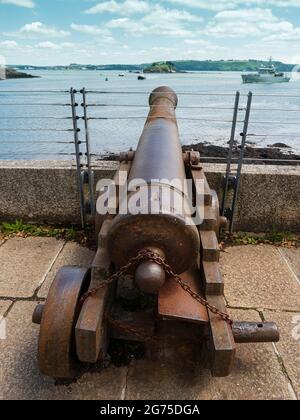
[(141, 77), (266, 75)]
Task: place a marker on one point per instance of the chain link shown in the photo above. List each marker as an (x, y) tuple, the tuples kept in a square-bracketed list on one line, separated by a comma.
[(147, 255), (130, 330)]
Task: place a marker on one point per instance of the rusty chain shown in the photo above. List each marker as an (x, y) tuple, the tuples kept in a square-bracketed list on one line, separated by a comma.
[(147, 255), (131, 330)]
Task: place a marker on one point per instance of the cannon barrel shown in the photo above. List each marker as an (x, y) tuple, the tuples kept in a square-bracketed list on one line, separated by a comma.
[(157, 160)]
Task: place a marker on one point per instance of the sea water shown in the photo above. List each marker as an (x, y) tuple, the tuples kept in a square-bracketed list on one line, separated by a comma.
[(37, 124)]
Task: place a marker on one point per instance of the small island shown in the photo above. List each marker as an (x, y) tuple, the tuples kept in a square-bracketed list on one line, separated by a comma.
[(161, 67), (14, 74)]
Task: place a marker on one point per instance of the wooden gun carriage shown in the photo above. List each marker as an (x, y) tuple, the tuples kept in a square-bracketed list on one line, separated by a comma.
[(164, 257)]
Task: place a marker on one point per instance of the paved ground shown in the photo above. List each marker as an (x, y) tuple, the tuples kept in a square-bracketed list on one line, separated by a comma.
[(262, 282)]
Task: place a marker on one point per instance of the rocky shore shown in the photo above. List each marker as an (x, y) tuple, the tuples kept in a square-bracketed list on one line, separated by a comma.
[(276, 151), (14, 74)]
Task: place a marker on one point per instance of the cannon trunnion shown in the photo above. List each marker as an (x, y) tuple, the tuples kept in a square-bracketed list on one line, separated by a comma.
[(155, 277)]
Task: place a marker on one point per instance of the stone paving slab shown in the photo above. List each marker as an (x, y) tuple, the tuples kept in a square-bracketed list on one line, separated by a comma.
[(256, 276), (256, 375), (72, 254), (293, 258), (24, 262), (289, 345), (258, 371), (19, 375)]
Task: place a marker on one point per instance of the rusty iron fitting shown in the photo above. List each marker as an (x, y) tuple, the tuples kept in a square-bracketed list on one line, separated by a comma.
[(255, 332)]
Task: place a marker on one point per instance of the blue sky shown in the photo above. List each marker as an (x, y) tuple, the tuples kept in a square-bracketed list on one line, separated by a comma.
[(136, 31)]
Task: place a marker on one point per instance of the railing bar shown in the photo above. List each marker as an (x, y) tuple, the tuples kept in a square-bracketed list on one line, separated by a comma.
[(157, 106), (147, 93), (178, 118), (274, 135), (33, 104), (33, 91), (37, 153), (36, 142), (235, 159), (35, 129), (276, 95), (35, 118), (276, 109), (189, 93), (276, 122)]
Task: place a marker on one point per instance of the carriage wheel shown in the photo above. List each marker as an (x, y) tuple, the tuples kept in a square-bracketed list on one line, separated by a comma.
[(56, 350)]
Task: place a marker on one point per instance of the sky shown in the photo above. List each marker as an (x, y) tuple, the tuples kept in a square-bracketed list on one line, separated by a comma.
[(42, 32)]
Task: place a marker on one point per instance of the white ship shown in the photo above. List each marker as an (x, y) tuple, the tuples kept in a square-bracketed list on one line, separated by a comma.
[(266, 75)]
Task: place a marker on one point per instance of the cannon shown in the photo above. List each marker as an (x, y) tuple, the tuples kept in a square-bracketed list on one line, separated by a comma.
[(155, 278)]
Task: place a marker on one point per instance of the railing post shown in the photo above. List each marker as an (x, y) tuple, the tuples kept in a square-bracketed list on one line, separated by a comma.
[(88, 153), (241, 158), (229, 158), (78, 154)]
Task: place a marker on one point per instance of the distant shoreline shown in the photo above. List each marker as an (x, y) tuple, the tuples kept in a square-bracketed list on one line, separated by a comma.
[(181, 66)]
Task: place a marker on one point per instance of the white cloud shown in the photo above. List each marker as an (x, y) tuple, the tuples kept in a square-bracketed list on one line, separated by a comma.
[(90, 29), (219, 5), (99, 33), (125, 8), (37, 29), (8, 44), (160, 21), (251, 22), (29, 4), (48, 45)]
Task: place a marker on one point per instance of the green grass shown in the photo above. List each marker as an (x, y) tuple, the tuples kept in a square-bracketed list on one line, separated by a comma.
[(26, 229), (272, 238)]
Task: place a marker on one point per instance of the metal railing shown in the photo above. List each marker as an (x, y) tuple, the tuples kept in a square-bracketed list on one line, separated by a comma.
[(74, 120)]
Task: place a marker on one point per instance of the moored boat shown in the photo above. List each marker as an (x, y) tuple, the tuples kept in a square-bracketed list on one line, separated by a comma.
[(266, 74)]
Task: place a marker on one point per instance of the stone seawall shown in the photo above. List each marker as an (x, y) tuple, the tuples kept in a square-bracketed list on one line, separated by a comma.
[(46, 191)]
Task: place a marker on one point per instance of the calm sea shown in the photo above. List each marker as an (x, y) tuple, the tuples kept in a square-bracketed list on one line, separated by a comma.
[(37, 125)]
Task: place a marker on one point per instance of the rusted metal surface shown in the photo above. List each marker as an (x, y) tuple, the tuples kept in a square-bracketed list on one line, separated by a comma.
[(38, 313), (212, 278), (175, 303), (132, 326), (124, 167), (197, 174), (56, 349), (210, 220), (221, 345), (209, 246), (158, 157), (255, 332), (90, 329), (192, 158), (149, 277), (221, 221), (127, 156), (156, 253)]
